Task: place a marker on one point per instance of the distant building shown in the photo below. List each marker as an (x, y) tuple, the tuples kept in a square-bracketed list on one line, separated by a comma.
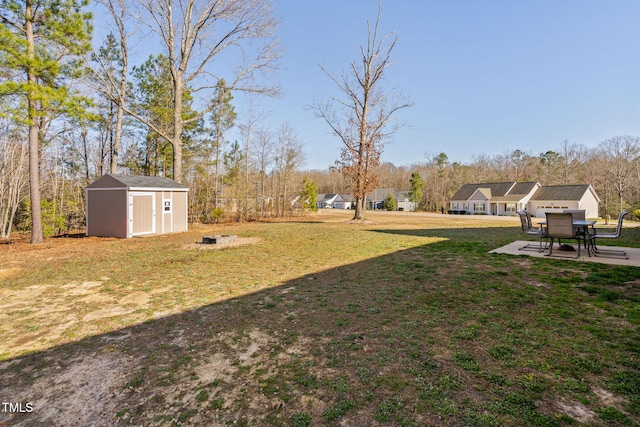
[(505, 198), (334, 201), (127, 206), (376, 199)]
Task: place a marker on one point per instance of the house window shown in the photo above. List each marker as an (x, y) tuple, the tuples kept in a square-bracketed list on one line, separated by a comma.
[(465, 206), (511, 207), (478, 207), (454, 206)]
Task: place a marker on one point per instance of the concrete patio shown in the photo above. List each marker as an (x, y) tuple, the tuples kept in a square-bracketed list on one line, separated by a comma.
[(514, 249)]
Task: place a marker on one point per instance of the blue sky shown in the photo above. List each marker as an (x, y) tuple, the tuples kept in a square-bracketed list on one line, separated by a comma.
[(485, 77)]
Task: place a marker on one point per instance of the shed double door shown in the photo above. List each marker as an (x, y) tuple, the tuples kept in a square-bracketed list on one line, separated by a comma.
[(142, 213)]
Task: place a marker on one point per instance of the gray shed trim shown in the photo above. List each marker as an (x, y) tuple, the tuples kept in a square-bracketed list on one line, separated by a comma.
[(142, 183)]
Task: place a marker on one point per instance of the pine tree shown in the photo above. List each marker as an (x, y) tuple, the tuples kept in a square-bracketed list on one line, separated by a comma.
[(41, 42), (417, 186), (309, 195), (390, 203)]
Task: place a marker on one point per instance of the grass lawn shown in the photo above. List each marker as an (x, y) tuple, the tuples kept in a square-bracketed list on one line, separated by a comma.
[(404, 321)]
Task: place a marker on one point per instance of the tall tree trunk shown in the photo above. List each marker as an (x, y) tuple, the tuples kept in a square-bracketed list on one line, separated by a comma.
[(37, 235), (360, 208), (361, 174), (178, 126), (115, 148), (216, 170), (177, 155), (115, 152)]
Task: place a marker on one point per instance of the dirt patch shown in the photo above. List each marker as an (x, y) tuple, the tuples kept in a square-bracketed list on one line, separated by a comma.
[(607, 398), (46, 319), (240, 241), (576, 411), (360, 222), (84, 392)]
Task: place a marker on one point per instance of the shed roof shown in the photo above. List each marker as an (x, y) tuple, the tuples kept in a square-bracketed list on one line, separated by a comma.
[(136, 182), (561, 192)]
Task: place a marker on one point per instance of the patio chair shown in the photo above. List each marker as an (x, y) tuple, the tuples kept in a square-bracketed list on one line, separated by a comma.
[(580, 214), (608, 235), (529, 230), (560, 226)]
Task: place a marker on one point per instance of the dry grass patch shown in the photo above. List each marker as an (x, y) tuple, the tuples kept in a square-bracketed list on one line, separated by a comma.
[(404, 321)]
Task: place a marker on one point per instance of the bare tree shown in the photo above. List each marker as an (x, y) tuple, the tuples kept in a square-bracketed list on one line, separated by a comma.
[(197, 32), (112, 69), (262, 161), (223, 116), (249, 133), (13, 178), (621, 155), (573, 156), (289, 156), (364, 121)]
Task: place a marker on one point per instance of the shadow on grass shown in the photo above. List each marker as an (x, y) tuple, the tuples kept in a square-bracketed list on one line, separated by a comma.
[(439, 334)]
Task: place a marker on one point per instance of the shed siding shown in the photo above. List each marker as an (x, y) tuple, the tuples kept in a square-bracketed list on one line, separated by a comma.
[(179, 211), (108, 213), (167, 212), (107, 181)]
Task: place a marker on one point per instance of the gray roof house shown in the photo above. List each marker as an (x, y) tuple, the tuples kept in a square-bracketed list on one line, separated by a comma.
[(505, 198), (550, 198), (127, 206), (376, 199), (495, 198)]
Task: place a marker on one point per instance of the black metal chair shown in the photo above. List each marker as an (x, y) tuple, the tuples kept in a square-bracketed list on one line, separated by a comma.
[(608, 235), (560, 226), (529, 230)]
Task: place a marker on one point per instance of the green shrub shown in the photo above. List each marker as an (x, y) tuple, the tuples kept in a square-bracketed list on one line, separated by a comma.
[(390, 203), (216, 214)]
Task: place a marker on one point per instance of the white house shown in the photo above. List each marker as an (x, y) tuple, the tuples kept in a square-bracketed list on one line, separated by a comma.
[(343, 201), (376, 199), (497, 198), (334, 201), (505, 198), (560, 197)]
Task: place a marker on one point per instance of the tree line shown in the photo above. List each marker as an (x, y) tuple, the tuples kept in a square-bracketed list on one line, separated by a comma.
[(612, 168), (86, 108), (73, 108)]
